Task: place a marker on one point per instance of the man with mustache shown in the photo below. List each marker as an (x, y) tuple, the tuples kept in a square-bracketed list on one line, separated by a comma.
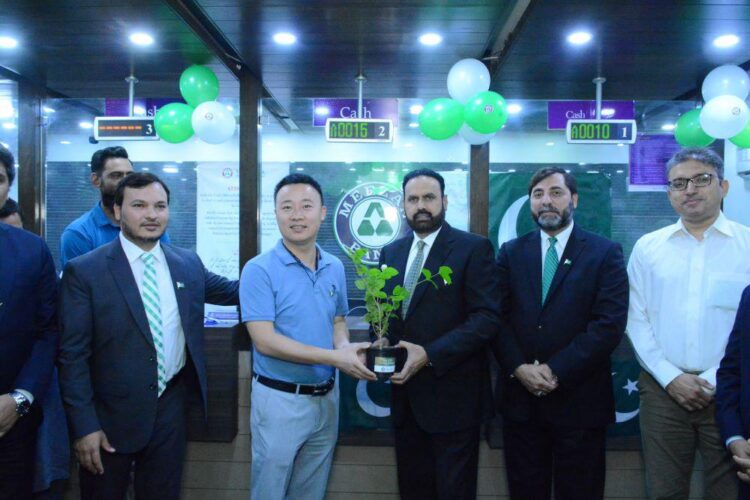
[(98, 226), (439, 398), (686, 281), (132, 348), (564, 302)]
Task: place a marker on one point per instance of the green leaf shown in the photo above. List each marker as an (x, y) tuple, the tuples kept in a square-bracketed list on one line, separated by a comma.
[(380, 295), (427, 274), (445, 272), (389, 272)]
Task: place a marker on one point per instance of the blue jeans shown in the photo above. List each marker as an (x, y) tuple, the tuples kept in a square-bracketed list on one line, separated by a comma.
[(293, 439)]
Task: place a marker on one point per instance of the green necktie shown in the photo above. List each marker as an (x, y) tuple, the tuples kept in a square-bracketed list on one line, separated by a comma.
[(152, 304), (550, 267)]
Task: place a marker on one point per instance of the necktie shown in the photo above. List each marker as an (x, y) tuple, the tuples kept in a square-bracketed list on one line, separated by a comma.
[(412, 276), (152, 304), (550, 266)]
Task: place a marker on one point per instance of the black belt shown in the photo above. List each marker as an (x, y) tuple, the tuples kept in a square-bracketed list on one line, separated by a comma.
[(308, 390)]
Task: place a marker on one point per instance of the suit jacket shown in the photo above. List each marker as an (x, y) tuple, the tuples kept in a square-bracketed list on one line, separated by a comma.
[(574, 332), (454, 324), (108, 369), (733, 377), (28, 317)]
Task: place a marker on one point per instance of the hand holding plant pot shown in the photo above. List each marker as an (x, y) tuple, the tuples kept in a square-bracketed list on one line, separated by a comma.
[(383, 359)]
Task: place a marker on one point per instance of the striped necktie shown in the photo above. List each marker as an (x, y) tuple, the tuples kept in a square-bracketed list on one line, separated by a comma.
[(412, 276), (550, 267), (152, 304)]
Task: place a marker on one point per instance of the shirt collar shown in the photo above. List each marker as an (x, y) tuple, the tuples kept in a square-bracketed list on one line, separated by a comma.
[(286, 257), (100, 218), (133, 252), (428, 240), (562, 237), (722, 224)]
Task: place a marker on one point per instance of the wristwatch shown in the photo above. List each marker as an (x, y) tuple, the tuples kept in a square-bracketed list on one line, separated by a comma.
[(22, 403)]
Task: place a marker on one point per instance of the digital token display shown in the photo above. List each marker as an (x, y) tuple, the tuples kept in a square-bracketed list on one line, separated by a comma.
[(358, 130), (601, 131), (124, 129)]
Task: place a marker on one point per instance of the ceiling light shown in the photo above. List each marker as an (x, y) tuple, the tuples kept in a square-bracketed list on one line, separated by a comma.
[(170, 170), (514, 109), (619, 144), (7, 42), (284, 38), (668, 127), (300, 169), (322, 111), (413, 125), (6, 109), (145, 169), (511, 170), (352, 169), (607, 112), (579, 37), (550, 144), (726, 41), (592, 171), (86, 125), (430, 39), (9, 125), (620, 171), (47, 109), (415, 109), (142, 39), (139, 110), (183, 179), (65, 142)]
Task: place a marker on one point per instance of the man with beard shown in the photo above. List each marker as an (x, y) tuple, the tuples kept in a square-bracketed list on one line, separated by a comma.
[(686, 281), (132, 348), (564, 303), (440, 396), (98, 226)]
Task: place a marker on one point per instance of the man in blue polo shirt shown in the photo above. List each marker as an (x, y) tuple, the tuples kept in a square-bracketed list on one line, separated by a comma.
[(98, 226), (294, 303)]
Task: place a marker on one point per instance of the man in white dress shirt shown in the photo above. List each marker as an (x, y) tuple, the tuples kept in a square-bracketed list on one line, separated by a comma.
[(685, 285)]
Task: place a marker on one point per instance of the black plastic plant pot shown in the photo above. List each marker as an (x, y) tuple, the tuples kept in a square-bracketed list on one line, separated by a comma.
[(385, 361)]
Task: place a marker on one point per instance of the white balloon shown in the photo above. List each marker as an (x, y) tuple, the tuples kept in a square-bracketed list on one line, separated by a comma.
[(213, 122), (473, 137), (726, 80), (467, 78), (724, 116)]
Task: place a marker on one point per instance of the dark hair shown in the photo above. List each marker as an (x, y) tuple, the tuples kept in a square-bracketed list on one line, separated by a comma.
[(100, 158), (137, 180), (298, 179), (543, 173), (706, 156), (427, 173), (11, 207), (6, 158)]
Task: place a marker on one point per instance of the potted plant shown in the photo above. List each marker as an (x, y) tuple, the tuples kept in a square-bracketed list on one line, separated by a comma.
[(384, 360)]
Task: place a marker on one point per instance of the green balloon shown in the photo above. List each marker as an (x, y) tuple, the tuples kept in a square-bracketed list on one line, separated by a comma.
[(441, 118), (486, 112), (173, 122), (688, 131), (198, 84), (742, 140)]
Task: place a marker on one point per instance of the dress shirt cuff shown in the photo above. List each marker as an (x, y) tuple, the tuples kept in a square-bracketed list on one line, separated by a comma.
[(665, 372), (28, 395), (710, 375), (732, 440)]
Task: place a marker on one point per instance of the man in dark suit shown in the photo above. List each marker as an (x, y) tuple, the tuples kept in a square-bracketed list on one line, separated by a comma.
[(440, 395), (733, 394), (132, 347), (564, 302), (28, 338)]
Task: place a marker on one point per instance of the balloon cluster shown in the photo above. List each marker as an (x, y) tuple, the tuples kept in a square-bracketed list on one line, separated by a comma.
[(474, 112), (202, 115), (725, 114)]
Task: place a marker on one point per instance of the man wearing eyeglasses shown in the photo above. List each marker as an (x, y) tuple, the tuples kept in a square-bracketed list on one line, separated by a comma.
[(685, 285)]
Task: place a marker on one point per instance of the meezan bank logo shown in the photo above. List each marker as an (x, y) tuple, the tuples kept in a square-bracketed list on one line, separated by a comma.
[(370, 216)]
